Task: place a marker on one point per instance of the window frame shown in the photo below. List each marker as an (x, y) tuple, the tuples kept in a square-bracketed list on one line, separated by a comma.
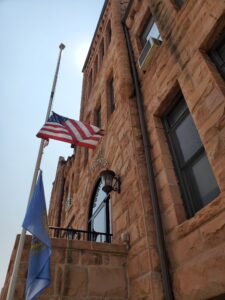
[(98, 116), (90, 82), (219, 297), (148, 23), (103, 205), (101, 52), (215, 56), (111, 95), (95, 67), (179, 3), (189, 193), (146, 27), (86, 156), (109, 33)]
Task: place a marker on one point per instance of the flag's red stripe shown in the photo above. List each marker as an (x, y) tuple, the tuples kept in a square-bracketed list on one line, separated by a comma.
[(48, 136), (94, 138), (53, 124), (101, 132), (90, 146), (79, 129), (54, 129), (62, 135), (90, 128), (78, 133), (85, 143)]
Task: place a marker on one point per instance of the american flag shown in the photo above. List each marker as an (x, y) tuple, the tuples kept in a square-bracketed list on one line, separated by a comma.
[(70, 131)]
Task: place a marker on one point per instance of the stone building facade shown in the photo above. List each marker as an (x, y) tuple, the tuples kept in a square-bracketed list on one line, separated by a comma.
[(154, 81)]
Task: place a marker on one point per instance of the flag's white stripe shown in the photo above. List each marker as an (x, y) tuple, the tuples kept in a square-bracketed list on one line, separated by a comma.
[(60, 135), (54, 124), (82, 125), (97, 135), (93, 141), (84, 129), (95, 128), (89, 142), (55, 128), (94, 137), (75, 131)]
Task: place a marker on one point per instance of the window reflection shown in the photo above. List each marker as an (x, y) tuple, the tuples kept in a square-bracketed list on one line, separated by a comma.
[(99, 215)]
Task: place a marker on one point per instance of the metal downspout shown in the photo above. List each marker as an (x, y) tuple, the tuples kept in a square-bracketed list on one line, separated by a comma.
[(166, 280)]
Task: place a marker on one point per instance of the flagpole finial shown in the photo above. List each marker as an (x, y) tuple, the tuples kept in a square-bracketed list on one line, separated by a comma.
[(62, 46)]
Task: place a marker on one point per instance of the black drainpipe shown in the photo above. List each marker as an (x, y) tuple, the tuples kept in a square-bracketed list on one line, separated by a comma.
[(166, 280)]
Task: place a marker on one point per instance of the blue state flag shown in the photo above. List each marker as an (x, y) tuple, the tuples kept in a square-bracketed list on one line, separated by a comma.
[(35, 222)]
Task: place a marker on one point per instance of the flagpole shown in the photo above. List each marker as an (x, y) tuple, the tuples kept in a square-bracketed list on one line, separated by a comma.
[(12, 284)]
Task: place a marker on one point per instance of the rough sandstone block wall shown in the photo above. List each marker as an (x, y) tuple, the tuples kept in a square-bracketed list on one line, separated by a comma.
[(122, 151), (79, 271), (195, 246)]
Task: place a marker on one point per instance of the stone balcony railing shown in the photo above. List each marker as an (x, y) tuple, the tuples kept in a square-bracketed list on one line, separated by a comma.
[(80, 270)]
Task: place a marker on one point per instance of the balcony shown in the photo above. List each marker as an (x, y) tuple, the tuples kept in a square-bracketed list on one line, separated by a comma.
[(81, 267), (80, 235)]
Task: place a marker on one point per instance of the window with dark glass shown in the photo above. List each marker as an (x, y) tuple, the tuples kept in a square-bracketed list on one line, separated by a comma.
[(109, 33), (217, 54), (197, 182), (99, 215), (86, 154), (90, 83), (96, 67), (179, 3), (220, 297), (98, 117), (111, 96), (101, 52), (150, 30)]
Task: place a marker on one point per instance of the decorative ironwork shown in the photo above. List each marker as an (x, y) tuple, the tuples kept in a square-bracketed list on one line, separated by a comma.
[(80, 235)]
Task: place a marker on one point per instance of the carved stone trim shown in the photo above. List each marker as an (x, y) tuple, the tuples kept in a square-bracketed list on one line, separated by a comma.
[(100, 161)]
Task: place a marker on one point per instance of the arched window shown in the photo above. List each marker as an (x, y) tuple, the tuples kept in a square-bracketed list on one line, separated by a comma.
[(99, 215)]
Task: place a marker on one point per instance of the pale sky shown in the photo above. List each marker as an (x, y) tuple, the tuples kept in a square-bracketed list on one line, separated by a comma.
[(30, 33)]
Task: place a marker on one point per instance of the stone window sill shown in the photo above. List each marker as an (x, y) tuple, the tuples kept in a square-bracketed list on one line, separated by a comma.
[(204, 215)]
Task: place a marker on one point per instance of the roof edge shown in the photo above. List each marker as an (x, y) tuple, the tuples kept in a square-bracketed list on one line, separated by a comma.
[(96, 29)]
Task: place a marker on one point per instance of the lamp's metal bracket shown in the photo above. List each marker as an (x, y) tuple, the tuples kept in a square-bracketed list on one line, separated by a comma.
[(117, 184)]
